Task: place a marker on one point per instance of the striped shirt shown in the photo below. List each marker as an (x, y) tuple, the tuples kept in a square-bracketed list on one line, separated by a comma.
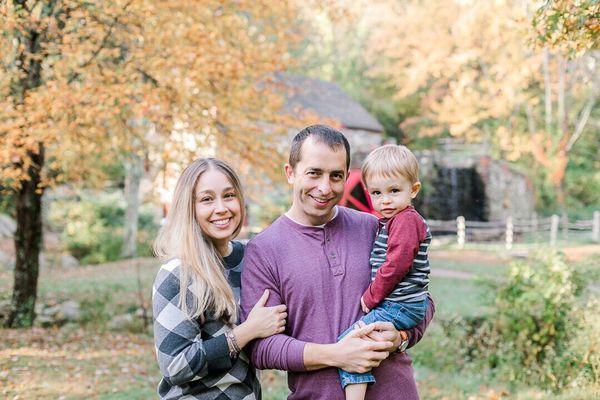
[(399, 263)]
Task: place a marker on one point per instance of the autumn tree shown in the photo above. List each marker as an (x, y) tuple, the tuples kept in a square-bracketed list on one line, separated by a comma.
[(479, 78), (570, 27), (335, 49), (81, 82)]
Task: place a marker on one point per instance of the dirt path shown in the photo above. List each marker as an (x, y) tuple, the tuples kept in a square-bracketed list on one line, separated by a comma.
[(449, 273)]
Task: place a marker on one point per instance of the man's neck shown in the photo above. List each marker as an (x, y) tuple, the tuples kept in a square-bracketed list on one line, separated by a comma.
[(301, 219)]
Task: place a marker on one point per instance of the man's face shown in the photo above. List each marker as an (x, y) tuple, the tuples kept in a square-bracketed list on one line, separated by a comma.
[(318, 182)]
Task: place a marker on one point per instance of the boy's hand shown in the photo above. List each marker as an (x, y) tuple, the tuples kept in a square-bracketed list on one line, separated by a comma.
[(363, 305)]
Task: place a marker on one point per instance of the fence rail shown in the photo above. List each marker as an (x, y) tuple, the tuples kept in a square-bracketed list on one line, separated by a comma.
[(509, 230)]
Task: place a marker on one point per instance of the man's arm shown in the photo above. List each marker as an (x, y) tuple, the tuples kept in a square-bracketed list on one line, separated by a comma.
[(354, 353), (281, 351), (278, 351), (385, 331)]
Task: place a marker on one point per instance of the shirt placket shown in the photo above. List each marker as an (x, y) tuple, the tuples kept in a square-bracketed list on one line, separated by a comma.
[(332, 253)]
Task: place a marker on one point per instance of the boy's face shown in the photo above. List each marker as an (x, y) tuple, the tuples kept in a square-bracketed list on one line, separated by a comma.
[(391, 195)]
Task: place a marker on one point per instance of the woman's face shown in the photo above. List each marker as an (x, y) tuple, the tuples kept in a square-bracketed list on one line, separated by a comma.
[(218, 210)]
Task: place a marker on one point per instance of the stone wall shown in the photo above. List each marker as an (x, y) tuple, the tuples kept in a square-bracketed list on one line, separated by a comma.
[(458, 180), (510, 192)]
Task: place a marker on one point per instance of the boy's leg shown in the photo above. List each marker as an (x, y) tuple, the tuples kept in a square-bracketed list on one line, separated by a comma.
[(356, 391), (350, 378), (402, 315)]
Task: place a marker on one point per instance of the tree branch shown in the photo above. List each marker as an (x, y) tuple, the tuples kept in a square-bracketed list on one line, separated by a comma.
[(103, 43), (583, 119), (547, 90), (530, 119)]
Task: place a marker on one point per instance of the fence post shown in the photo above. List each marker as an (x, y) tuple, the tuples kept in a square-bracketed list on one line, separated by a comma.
[(460, 231), (509, 233), (554, 229), (596, 227), (565, 226), (534, 226)]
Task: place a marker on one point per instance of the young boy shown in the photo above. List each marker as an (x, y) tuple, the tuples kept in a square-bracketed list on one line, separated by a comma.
[(399, 264)]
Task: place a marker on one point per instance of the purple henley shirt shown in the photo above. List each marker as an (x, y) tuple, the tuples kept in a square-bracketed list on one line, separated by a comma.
[(320, 274)]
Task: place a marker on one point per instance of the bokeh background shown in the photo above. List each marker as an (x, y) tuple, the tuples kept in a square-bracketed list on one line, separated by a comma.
[(103, 103)]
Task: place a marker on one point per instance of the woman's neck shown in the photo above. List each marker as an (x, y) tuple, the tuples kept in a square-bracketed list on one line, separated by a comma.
[(224, 247)]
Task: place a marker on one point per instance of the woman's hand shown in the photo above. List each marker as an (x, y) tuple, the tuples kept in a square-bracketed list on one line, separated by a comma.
[(262, 321)]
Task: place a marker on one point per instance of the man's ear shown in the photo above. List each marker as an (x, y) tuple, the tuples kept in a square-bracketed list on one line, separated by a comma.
[(289, 173), (415, 189)]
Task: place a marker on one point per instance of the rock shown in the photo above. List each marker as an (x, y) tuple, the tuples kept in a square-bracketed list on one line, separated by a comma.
[(71, 311), (57, 315), (140, 313), (127, 322), (7, 226), (7, 261), (43, 261), (121, 322), (68, 261), (45, 321), (5, 309)]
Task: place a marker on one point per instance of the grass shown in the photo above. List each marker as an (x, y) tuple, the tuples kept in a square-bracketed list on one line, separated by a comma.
[(73, 363), (87, 362)]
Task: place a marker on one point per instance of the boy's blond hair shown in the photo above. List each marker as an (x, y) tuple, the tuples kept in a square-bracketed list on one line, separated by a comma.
[(390, 161)]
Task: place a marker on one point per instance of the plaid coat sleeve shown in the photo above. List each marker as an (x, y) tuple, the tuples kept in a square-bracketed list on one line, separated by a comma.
[(182, 354)]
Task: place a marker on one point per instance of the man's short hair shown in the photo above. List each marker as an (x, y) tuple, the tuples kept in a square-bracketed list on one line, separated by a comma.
[(390, 161), (321, 134)]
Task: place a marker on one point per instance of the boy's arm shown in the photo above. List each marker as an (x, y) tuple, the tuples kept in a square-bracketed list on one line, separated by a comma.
[(404, 236)]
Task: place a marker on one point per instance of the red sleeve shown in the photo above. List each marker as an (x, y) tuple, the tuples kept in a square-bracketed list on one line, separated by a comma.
[(405, 232)]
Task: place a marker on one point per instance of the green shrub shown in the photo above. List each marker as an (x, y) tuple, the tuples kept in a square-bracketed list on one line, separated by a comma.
[(92, 227), (536, 314), (586, 344)]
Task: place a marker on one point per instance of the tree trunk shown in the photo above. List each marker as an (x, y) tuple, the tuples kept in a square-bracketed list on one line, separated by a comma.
[(134, 168), (547, 91), (28, 242)]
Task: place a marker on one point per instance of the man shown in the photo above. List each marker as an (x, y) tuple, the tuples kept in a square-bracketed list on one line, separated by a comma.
[(315, 259)]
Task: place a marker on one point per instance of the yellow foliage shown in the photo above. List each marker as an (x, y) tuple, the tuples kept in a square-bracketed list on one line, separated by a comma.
[(472, 65), (88, 81)]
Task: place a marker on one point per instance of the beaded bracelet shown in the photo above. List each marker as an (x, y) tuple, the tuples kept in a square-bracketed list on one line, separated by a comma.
[(234, 349)]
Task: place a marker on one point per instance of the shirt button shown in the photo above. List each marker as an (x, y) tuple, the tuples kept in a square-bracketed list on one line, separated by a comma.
[(332, 255)]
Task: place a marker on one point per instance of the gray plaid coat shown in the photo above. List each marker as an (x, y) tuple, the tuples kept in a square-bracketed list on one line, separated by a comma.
[(193, 357)]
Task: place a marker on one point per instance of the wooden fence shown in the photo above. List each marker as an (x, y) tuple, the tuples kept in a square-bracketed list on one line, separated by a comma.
[(536, 229)]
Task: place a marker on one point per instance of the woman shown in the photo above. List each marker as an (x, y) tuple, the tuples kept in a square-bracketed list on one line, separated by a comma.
[(196, 292)]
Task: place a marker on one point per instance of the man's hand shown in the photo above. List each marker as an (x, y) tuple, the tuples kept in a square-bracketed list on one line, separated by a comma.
[(364, 306), (356, 353), (383, 332)]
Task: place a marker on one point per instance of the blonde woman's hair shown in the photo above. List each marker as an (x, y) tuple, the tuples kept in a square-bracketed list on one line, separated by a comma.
[(202, 268), (390, 161)]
